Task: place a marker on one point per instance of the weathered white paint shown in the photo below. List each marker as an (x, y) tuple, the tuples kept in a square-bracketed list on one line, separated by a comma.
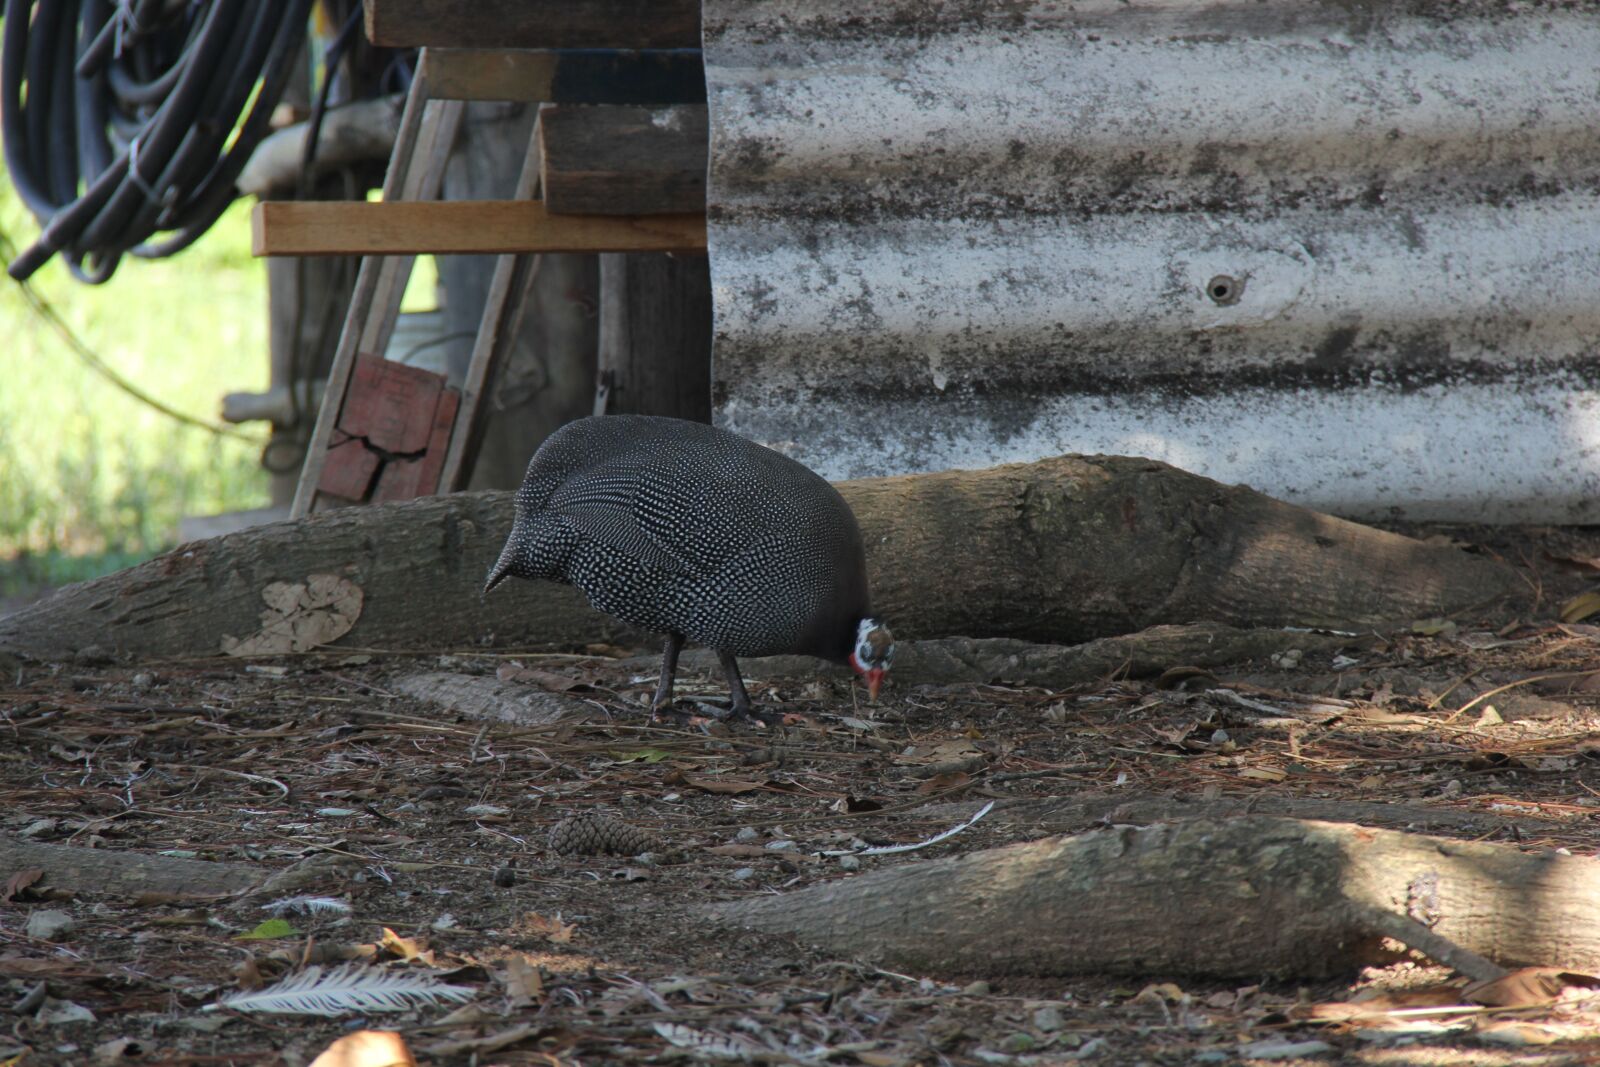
[(961, 233), (1429, 453)]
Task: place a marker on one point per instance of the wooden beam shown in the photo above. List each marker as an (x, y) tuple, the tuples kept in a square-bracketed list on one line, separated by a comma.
[(460, 227), (608, 160), (534, 23), (655, 335), (604, 77), (416, 169)]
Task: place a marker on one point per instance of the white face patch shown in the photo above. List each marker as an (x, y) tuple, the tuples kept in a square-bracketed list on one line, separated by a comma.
[(872, 650)]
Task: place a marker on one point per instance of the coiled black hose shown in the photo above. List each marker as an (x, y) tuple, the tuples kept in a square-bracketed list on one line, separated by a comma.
[(122, 120)]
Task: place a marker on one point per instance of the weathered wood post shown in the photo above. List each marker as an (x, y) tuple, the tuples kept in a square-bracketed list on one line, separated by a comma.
[(655, 335), (549, 378)]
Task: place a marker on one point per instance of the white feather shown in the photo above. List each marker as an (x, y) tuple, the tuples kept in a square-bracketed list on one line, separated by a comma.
[(345, 989)]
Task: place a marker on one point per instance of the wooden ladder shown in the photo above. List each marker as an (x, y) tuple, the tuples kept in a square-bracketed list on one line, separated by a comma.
[(388, 431)]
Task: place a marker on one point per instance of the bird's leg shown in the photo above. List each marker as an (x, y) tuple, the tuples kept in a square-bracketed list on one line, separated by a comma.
[(669, 671), (739, 703)]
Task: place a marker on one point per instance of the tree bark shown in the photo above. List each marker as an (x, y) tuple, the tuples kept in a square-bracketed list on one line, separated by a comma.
[(1064, 550), (95, 872), (1086, 811), (1230, 898), (1001, 660)]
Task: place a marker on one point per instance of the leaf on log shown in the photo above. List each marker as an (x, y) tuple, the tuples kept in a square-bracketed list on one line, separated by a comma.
[(300, 616)]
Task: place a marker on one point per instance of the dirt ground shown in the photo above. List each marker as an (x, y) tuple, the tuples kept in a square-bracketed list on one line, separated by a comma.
[(432, 831)]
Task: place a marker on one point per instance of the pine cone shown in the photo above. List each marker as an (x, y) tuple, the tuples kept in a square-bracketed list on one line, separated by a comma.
[(600, 835)]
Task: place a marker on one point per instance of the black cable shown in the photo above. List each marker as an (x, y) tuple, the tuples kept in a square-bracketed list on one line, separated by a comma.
[(333, 294), (331, 57), (46, 311), (131, 119)]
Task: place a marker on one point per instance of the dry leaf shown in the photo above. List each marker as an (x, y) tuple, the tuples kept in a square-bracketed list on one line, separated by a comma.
[(524, 986), (23, 967), (941, 752), (367, 1048), (407, 948), (1581, 606), (1581, 563), (1383, 1002), (941, 782), (19, 882), (1166, 991), (549, 680), (1528, 987), (553, 930), (1263, 774), (299, 617), (1519, 1035)]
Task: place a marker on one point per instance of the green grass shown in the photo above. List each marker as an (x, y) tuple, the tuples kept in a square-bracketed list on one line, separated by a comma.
[(91, 479)]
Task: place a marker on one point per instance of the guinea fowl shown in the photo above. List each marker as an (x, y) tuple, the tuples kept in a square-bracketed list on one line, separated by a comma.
[(684, 529)]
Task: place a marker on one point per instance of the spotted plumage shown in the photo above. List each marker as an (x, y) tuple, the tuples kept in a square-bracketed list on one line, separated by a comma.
[(697, 533)]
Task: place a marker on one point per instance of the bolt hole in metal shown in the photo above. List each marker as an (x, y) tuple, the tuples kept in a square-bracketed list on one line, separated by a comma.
[(1225, 289)]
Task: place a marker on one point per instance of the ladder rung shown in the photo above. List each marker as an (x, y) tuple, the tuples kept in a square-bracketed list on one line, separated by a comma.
[(459, 227)]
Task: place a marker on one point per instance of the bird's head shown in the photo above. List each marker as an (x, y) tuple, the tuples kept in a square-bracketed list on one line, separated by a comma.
[(873, 653)]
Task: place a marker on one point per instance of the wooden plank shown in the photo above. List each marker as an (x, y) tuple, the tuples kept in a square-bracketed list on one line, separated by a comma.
[(534, 23), (369, 282), (610, 160), (460, 227), (498, 329), (424, 178), (539, 76)]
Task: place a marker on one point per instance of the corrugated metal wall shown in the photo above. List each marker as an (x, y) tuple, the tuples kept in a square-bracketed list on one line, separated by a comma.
[(1345, 252)]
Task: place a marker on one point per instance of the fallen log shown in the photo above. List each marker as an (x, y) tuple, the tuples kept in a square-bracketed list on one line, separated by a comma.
[(1234, 898), (1085, 811), (1062, 550), (1000, 660), (100, 872)]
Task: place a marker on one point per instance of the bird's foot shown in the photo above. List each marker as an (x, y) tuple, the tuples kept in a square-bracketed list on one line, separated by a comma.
[(744, 711), (730, 714), (666, 711)]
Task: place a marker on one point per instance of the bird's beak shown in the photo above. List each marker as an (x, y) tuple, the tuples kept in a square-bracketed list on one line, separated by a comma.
[(874, 682), (502, 568)]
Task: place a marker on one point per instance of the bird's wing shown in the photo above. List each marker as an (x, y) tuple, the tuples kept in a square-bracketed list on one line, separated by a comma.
[(603, 507), (710, 517)]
